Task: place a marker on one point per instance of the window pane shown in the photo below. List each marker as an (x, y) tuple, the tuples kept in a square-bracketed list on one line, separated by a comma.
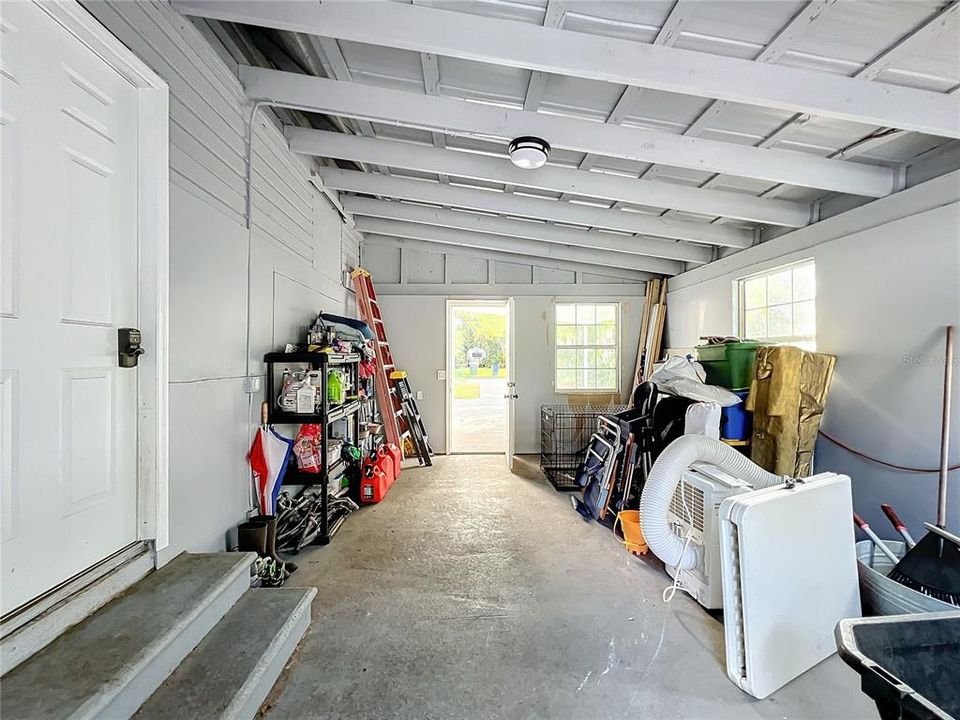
[(566, 358), (805, 319), (755, 293), (586, 379), (607, 358), (606, 335), (779, 321), (586, 335), (606, 314), (606, 380), (756, 323), (586, 314), (566, 315), (566, 335), (566, 379), (804, 283), (779, 287), (587, 359)]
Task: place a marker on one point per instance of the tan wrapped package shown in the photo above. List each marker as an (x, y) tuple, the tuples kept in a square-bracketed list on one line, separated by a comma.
[(787, 398)]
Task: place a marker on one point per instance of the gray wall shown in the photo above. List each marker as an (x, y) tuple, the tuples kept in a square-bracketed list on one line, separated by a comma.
[(415, 314), (298, 248), (887, 283)]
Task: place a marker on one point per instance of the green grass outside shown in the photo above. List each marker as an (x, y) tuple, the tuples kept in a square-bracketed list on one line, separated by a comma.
[(466, 391)]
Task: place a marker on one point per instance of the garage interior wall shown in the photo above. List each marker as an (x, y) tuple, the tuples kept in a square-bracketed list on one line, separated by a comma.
[(416, 324), (299, 248), (887, 284)]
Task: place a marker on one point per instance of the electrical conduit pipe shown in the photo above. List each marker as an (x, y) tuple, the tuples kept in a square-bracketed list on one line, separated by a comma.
[(664, 478)]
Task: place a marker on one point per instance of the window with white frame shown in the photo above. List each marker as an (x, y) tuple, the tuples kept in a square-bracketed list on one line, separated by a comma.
[(778, 307), (587, 347)]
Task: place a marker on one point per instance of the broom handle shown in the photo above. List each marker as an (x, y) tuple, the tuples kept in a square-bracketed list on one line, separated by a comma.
[(945, 430)]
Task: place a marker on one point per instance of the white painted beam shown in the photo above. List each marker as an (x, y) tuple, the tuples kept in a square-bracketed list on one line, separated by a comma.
[(493, 289), (379, 241), (538, 208), (472, 222), (460, 117), (596, 57), (410, 156), (532, 248)]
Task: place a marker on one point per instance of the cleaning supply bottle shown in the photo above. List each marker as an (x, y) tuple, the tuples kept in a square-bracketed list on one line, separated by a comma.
[(335, 389), (288, 392), (306, 398)]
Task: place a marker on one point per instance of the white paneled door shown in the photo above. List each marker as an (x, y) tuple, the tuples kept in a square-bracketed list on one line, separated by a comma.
[(69, 281)]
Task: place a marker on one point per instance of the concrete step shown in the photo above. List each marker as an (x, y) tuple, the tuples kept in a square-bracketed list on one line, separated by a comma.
[(230, 673), (109, 664), (45, 620)]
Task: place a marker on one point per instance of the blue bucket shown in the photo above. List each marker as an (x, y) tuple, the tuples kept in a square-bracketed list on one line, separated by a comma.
[(736, 422)]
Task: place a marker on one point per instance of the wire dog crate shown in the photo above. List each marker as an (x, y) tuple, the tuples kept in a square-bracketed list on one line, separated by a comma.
[(565, 432)]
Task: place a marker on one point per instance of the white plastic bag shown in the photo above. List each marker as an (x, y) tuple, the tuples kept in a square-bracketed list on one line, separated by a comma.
[(702, 418), (683, 377)]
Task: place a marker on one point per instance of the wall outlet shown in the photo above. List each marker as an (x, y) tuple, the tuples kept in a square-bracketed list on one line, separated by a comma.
[(251, 384), (441, 374), (419, 394)]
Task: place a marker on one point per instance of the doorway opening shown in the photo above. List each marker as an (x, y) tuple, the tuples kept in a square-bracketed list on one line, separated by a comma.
[(479, 373)]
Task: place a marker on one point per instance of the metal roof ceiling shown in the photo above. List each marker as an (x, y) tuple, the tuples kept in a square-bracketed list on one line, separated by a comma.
[(914, 44)]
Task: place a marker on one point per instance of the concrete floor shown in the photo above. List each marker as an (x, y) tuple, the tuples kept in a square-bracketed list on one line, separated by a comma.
[(479, 425), (473, 593)]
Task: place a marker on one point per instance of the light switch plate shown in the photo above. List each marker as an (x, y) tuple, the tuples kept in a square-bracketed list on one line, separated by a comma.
[(441, 374), (419, 394)]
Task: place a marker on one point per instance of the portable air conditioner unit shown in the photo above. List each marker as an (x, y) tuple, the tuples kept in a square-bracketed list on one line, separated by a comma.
[(695, 508)]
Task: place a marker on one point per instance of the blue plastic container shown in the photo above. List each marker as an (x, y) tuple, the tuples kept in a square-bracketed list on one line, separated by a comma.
[(736, 422)]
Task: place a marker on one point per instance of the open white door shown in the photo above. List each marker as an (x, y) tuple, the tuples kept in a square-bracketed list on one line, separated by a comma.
[(70, 280), (511, 394)]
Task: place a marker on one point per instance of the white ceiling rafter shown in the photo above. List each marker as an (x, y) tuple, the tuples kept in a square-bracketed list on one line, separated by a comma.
[(919, 37), (626, 276), (329, 49), (808, 16), (515, 205), (506, 227), (410, 156), (668, 35), (812, 13), (523, 246), (461, 117), (633, 276), (595, 57), (552, 18)]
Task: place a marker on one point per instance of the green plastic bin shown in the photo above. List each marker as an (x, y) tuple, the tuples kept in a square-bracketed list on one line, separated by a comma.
[(729, 365), (742, 357)]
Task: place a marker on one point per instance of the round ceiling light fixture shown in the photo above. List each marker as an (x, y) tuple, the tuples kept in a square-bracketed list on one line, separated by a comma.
[(529, 152)]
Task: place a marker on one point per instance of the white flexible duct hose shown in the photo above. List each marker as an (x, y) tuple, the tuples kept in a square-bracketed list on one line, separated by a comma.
[(664, 478)]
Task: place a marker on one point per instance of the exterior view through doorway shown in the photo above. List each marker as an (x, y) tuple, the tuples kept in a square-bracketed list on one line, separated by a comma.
[(478, 376)]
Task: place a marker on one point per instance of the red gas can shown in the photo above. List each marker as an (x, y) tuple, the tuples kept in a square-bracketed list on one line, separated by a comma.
[(373, 484), (396, 455), (384, 461)]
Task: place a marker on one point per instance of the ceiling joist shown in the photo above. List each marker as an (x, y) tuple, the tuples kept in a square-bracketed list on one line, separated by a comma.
[(375, 241), (472, 222), (537, 208), (531, 248), (460, 117), (595, 57), (605, 186)]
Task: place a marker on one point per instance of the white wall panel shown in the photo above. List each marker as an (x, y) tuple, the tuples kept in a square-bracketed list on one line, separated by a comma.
[(886, 287), (297, 255)]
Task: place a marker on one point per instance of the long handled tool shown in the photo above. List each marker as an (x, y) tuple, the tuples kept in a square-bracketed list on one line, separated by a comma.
[(898, 525), (881, 546), (932, 566)]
